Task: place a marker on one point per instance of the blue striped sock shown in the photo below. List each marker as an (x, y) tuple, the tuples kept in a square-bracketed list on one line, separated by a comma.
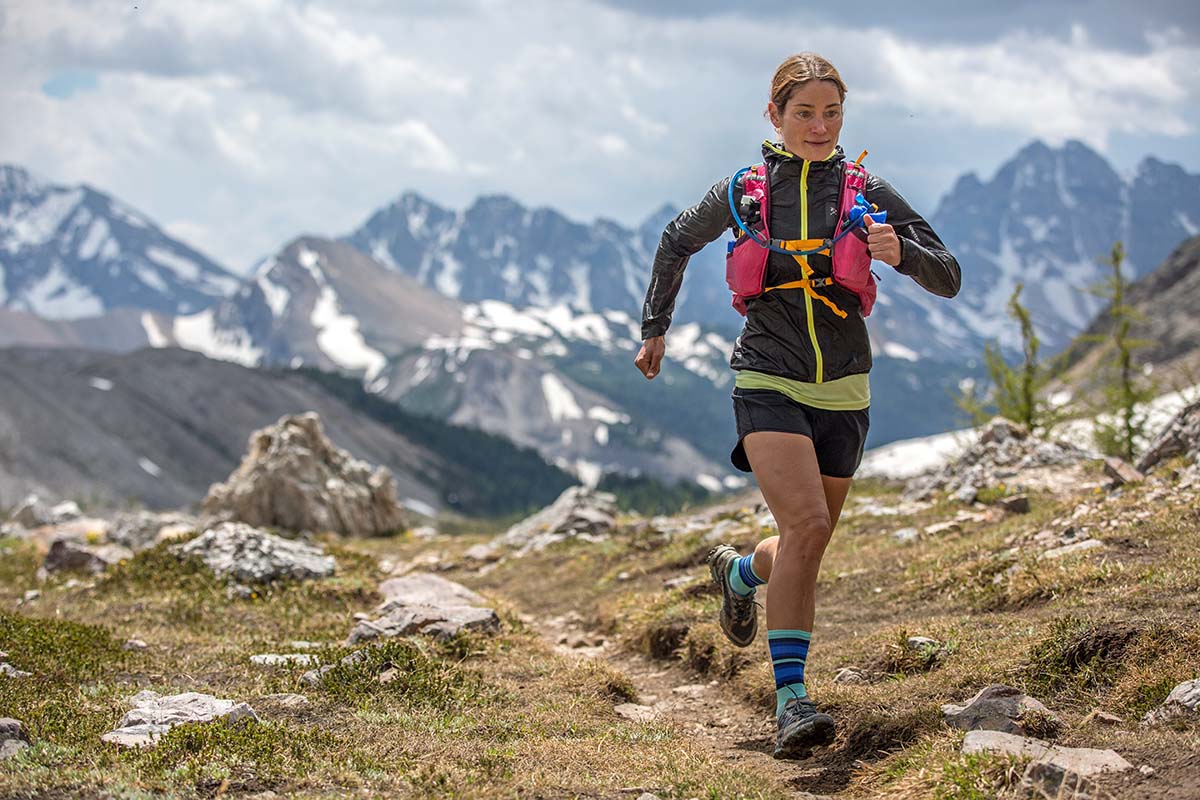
[(742, 578), (789, 650)]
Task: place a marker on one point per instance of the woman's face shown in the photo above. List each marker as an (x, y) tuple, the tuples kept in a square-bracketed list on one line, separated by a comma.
[(812, 120)]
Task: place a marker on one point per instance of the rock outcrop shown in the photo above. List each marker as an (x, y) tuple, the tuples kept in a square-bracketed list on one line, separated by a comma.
[(13, 738), (1183, 701), (249, 555), (999, 708), (294, 478), (71, 555), (426, 604), (1004, 449), (153, 714), (578, 513), (32, 513), (139, 530), (1083, 761), (1180, 438)]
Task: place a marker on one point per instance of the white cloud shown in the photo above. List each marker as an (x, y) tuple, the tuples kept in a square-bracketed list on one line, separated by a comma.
[(248, 122)]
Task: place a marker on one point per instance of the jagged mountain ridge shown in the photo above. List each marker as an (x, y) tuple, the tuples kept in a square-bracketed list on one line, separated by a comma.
[(1045, 218), (68, 252)]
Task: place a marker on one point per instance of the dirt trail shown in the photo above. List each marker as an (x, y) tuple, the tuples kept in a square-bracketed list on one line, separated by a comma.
[(711, 712)]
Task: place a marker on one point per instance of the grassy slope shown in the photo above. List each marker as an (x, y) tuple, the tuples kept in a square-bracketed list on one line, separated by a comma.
[(508, 717)]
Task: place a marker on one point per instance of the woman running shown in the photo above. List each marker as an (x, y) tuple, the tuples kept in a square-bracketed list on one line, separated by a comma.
[(801, 396)]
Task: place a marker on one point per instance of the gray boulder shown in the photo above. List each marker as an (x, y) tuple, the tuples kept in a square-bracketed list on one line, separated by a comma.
[(1180, 438), (139, 530), (32, 512), (249, 555), (153, 715), (427, 604), (71, 555), (295, 478), (1184, 700), (13, 738), (1083, 761), (578, 513), (996, 708)]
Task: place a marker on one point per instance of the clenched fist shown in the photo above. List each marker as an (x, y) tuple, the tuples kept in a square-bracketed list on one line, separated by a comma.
[(649, 359), (882, 242)]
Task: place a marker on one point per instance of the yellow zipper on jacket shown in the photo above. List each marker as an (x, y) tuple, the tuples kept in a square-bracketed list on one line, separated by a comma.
[(808, 304)]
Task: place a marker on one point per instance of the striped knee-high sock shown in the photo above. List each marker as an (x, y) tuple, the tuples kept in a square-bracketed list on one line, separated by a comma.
[(742, 577), (789, 651)]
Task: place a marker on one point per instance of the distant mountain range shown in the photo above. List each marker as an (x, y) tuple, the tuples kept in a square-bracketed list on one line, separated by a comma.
[(523, 323)]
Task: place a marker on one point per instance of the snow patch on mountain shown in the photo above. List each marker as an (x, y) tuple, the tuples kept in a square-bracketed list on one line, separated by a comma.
[(338, 336), (98, 235), (559, 401), (199, 332), (56, 295), (154, 333), (31, 226)]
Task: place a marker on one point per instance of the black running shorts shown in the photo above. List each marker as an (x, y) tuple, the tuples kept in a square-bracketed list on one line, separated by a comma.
[(837, 436)]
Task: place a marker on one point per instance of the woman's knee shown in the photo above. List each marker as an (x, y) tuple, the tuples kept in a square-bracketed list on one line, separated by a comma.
[(804, 535)]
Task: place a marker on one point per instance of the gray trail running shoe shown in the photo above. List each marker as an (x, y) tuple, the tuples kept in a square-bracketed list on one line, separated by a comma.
[(739, 615), (802, 727)]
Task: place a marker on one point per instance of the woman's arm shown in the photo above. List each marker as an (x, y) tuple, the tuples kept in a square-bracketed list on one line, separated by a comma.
[(685, 236), (923, 257)]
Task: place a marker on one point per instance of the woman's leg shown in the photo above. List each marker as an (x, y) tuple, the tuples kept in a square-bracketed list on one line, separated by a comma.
[(785, 466), (836, 490)]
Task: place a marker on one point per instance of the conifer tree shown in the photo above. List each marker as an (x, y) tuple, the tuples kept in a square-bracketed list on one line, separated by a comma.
[(1127, 389), (1015, 390)]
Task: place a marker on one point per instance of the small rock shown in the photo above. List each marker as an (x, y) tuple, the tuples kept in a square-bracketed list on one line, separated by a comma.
[(284, 659), (1079, 760), (287, 700), (31, 595), (1074, 547), (388, 675), (849, 675), (647, 796), (623, 576), (1184, 699), (1015, 503), (1102, 718), (634, 712), (692, 690), (314, 676), (67, 554), (906, 535), (134, 644), (482, 552), (995, 708), (966, 494), (9, 671), (1146, 770), (10, 747), (250, 555), (12, 729), (1121, 472), (153, 715), (922, 643), (1043, 779), (940, 528), (679, 581), (361, 616), (425, 532)]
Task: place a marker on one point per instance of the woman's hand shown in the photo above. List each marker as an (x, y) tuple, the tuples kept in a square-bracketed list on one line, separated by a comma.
[(882, 242), (649, 360)]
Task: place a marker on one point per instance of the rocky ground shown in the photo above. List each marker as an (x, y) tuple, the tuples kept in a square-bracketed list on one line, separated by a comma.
[(1031, 631)]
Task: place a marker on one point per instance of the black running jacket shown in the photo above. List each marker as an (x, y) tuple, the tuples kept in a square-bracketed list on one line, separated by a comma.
[(777, 338)]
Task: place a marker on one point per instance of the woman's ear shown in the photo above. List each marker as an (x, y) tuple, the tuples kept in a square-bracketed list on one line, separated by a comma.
[(773, 113)]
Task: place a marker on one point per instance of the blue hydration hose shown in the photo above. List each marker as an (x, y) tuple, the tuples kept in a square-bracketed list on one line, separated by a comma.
[(853, 220)]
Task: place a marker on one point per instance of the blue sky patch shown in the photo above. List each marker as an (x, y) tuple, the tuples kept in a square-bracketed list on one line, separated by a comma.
[(64, 84)]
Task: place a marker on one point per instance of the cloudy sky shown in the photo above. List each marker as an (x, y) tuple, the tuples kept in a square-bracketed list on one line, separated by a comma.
[(239, 124)]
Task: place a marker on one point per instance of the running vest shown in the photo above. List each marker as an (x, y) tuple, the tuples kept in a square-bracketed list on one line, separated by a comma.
[(746, 256)]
